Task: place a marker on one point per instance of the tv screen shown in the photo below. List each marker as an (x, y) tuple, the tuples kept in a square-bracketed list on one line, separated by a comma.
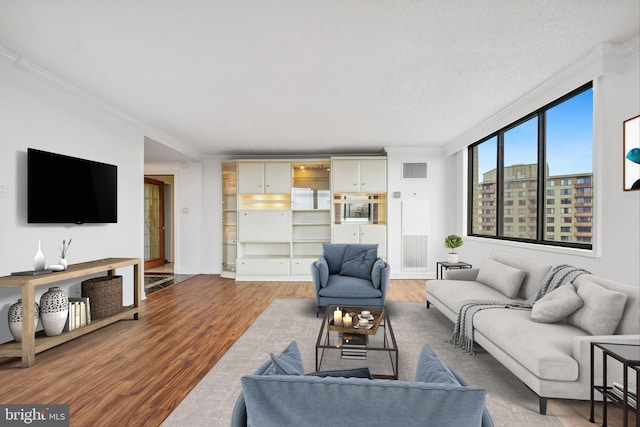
[(64, 189)]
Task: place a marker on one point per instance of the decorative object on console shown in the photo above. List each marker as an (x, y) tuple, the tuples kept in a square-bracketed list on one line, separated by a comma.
[(15, 319), (105, 295), (54, 310), (452, 242), (63, 253), (38, 259)]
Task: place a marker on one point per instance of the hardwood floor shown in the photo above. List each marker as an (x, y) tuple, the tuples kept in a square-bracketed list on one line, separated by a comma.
[(134, 373)]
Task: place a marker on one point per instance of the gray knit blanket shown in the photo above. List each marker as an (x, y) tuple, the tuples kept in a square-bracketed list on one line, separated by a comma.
[(463, 330)]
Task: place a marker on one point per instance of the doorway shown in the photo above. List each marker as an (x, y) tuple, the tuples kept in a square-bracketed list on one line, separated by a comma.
[(158, 222)]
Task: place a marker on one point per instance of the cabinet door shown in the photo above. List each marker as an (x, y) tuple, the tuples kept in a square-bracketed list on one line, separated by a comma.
[(345, 234), (264, 226), (375, 234), (345, 176), (263, 267), (373, 176), (277, 178), (251, 178)]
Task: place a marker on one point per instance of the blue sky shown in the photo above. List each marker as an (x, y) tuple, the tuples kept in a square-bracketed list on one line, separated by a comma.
[(569, 139)]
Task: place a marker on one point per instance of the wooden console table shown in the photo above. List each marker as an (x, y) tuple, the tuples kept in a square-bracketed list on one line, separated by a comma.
[(31, 345)]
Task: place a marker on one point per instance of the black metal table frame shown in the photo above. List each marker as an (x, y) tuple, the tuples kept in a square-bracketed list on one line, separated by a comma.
[(385, 324), (604, 389), (450, 265)]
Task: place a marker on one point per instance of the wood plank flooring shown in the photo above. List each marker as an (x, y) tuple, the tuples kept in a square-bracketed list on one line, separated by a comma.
[(134, 373)]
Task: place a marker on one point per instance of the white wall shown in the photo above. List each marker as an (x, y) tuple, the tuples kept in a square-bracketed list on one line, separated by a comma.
[(429, 196), (616, 98), (36, 113)]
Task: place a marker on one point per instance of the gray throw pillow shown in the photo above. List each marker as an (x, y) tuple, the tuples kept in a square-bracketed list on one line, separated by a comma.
[(500, 277), (358, 262), (602, 309), (289, 362), (556, 305)]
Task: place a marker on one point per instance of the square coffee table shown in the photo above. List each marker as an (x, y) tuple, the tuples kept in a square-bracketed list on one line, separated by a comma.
[(339, 347)]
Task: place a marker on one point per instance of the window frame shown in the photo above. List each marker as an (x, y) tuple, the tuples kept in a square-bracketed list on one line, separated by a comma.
[(541, 180)]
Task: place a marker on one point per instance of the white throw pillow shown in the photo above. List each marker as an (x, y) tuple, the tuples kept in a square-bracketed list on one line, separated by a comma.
[(556, 305), (501, 277), (602, 309)]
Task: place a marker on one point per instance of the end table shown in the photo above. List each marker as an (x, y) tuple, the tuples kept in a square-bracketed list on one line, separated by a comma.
[(629, 356), (440, 265)]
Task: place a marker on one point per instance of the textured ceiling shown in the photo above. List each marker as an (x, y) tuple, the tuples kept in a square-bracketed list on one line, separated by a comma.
[(254, 76)]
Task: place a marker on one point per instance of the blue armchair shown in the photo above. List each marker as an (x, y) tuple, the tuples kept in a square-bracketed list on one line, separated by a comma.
[(350, 274)]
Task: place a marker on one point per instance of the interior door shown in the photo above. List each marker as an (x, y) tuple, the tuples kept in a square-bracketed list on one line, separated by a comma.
[(154, 252)]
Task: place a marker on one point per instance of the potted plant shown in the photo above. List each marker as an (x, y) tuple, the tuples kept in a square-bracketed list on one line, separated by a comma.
[(452, 242)]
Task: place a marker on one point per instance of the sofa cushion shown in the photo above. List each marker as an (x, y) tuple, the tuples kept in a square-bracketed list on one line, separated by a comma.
[(535, 271), (349, 287), (376, 272), (315, 401), (556, 305), (431, 369), (602, 309), (323, 270), (362, 372), (501, 277), (358, 262), (544, 349)]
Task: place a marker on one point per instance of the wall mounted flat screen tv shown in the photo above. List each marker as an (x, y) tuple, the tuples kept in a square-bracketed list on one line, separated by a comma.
[(64, 189)]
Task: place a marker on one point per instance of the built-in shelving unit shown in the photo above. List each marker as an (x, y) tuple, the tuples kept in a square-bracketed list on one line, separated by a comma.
[(285, 210), (31, 343)]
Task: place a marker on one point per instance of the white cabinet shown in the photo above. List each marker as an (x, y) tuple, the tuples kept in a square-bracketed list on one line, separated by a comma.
[(264, 178), (264, 226), (359, 175), (266, 267), (369, 234)]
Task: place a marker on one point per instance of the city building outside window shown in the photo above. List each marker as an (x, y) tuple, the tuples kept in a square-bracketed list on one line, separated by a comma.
[(550, 148)]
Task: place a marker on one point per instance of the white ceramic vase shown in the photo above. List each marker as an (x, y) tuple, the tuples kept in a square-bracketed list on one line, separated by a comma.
[(15, 319), (63, 263), (54, 310), (453, 258), (38, 259)]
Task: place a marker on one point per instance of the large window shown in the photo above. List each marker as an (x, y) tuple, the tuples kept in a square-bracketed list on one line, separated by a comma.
[(538, 162)]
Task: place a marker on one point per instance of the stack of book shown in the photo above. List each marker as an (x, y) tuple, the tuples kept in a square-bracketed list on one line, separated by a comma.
[(357, 347), (79, 313), (632, 397)]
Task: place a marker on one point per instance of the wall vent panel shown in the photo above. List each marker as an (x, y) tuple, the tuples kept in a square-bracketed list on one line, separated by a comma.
[(414, 253), (414, 171)]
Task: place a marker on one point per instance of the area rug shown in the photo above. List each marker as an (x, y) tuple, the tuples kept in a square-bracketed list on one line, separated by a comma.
[(211, 402)]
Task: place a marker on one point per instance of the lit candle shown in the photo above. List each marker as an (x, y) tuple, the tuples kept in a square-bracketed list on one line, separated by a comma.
[(346, 321), (337, 317)]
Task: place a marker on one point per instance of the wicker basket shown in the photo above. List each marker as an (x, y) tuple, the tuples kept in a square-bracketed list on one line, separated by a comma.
[(105, 295)]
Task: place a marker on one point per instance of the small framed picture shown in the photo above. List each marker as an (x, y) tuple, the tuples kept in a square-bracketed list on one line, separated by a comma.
[(631, 159)]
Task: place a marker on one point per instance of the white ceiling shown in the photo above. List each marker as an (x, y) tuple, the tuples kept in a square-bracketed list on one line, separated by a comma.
[(309, 76)]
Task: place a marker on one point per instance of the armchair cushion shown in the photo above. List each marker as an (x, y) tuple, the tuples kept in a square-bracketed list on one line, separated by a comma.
[(323, 269), (362, 372), (376, 272), (358, 262), (334, 254), (349, 287), (431, 369)]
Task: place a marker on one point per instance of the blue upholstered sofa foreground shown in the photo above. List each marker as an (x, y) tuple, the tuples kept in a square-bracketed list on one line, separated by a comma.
[(279, 395), (350, 274)]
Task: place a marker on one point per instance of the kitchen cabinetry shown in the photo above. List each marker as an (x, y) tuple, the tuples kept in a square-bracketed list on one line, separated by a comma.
[(366, 233)]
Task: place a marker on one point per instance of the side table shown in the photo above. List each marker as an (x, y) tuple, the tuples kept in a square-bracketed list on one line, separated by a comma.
[(440, 265), (629, 356)]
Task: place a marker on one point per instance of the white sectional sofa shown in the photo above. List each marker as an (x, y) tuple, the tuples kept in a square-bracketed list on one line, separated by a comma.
[(552, 359)]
